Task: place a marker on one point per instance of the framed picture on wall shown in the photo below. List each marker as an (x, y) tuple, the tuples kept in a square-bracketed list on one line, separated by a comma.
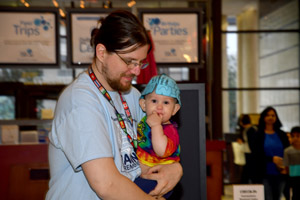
[(29, 37), (175, 34), (80, 24)]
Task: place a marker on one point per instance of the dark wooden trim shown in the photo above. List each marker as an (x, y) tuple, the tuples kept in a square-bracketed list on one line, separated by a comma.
[(216, 90)]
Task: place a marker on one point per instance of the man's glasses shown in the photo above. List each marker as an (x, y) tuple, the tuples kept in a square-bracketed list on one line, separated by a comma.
[(131, 64)]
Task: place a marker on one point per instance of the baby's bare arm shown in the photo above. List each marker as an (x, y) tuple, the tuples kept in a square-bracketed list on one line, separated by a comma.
[(158, 138)]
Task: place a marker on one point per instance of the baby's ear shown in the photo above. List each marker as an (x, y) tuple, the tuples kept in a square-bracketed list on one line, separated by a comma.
[(142, 104), (176, 108)]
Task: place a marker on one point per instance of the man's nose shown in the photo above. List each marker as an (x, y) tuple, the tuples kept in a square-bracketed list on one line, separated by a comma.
[(136, 70)]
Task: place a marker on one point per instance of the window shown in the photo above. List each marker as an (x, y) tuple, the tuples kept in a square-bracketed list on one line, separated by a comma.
[(260, 61)]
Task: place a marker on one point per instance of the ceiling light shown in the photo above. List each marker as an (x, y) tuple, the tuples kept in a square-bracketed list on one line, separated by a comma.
[(81, 4), (55, 3), (61, 12), (107, 4), (131, 3), (25, 3)]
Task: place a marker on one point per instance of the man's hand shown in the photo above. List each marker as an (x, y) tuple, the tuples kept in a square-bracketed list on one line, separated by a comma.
[(167, 176)]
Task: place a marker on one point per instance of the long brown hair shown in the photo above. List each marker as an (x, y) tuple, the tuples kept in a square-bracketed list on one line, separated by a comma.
[(262, 124)]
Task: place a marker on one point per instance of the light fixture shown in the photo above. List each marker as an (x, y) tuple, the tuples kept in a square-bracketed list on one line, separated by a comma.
[(25, 3), (107, 4), (55, 3), (82, 4), (62, 13), (131, 3)]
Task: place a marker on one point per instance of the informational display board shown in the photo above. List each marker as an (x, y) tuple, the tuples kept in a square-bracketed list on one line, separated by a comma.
[(80, 23), (248, 192), (29, 37), (176, 35)]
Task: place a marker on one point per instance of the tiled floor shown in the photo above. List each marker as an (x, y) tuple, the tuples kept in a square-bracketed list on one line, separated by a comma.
[(228, 192)]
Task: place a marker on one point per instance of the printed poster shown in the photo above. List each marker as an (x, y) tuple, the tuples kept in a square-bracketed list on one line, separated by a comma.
[(28, 38), (175, 36), (82, 26)]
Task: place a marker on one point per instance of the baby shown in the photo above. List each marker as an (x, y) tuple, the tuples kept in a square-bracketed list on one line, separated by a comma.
[(158, 139)]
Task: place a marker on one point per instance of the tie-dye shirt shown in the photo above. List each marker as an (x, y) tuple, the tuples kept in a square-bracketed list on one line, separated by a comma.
[(145, 150)]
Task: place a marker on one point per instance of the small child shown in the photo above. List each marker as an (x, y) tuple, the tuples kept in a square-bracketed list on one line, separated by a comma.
[(158, 139), (291, 160)]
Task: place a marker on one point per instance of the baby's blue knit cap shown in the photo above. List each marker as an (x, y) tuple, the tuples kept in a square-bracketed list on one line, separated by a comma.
[(163, 85)]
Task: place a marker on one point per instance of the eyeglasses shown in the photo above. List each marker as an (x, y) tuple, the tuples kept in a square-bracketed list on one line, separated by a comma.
[(131, 64)]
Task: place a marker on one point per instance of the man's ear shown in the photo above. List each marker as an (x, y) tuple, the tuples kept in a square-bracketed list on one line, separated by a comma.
[(176, 108), (142, 104), (100, 50)]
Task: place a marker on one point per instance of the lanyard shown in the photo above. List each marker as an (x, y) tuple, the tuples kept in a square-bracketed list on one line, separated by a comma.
[(103, 91)]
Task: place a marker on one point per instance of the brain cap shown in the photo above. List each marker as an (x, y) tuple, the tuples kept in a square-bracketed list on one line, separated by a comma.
[(163, 85)]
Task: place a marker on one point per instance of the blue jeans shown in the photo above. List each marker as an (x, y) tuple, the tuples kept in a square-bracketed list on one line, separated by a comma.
[(148, 185), (274, 185)]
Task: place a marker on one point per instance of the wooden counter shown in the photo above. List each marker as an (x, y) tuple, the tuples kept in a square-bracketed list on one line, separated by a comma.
[(25, 174), (214, 165), (24, 171)]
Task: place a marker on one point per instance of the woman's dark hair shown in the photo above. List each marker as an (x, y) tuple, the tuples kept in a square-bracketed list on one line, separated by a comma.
[(119, 30), (245, 119), (262, 123)]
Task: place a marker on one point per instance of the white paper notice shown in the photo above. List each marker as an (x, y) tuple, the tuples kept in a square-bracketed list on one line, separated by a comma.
[(248, 192)]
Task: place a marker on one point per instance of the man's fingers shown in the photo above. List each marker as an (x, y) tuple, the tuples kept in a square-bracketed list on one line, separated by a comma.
[(159, 190), (152, 176)]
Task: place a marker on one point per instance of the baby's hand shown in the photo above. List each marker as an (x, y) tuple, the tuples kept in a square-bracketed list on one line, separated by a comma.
[(154, 119)]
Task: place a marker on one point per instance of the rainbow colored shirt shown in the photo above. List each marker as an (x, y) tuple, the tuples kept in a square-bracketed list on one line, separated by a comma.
[(145, 151)]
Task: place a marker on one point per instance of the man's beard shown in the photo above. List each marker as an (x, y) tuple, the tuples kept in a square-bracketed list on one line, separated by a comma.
[(115, 84)]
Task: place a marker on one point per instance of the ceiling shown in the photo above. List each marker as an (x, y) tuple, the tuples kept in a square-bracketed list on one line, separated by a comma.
[(234, 7), (229, 7)]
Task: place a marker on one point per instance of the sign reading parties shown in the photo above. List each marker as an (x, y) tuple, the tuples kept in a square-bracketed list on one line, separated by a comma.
[(175, 36)]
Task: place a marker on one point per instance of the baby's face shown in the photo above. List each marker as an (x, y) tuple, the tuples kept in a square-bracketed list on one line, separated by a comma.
[(164, 106)]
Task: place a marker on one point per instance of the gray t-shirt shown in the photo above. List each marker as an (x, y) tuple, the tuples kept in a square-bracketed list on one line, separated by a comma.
[(291, 159), (84, 128)]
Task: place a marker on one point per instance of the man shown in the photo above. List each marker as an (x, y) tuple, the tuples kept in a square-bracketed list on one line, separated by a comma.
[(93, 136)]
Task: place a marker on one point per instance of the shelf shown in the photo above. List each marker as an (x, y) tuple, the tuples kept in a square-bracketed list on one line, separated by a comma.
[(26, 122)]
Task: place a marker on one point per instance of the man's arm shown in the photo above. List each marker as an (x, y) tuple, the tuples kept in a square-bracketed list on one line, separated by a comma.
[(108, 183), (167, 176)]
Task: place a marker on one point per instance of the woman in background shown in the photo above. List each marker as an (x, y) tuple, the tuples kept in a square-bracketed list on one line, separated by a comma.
[(267, 146)]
